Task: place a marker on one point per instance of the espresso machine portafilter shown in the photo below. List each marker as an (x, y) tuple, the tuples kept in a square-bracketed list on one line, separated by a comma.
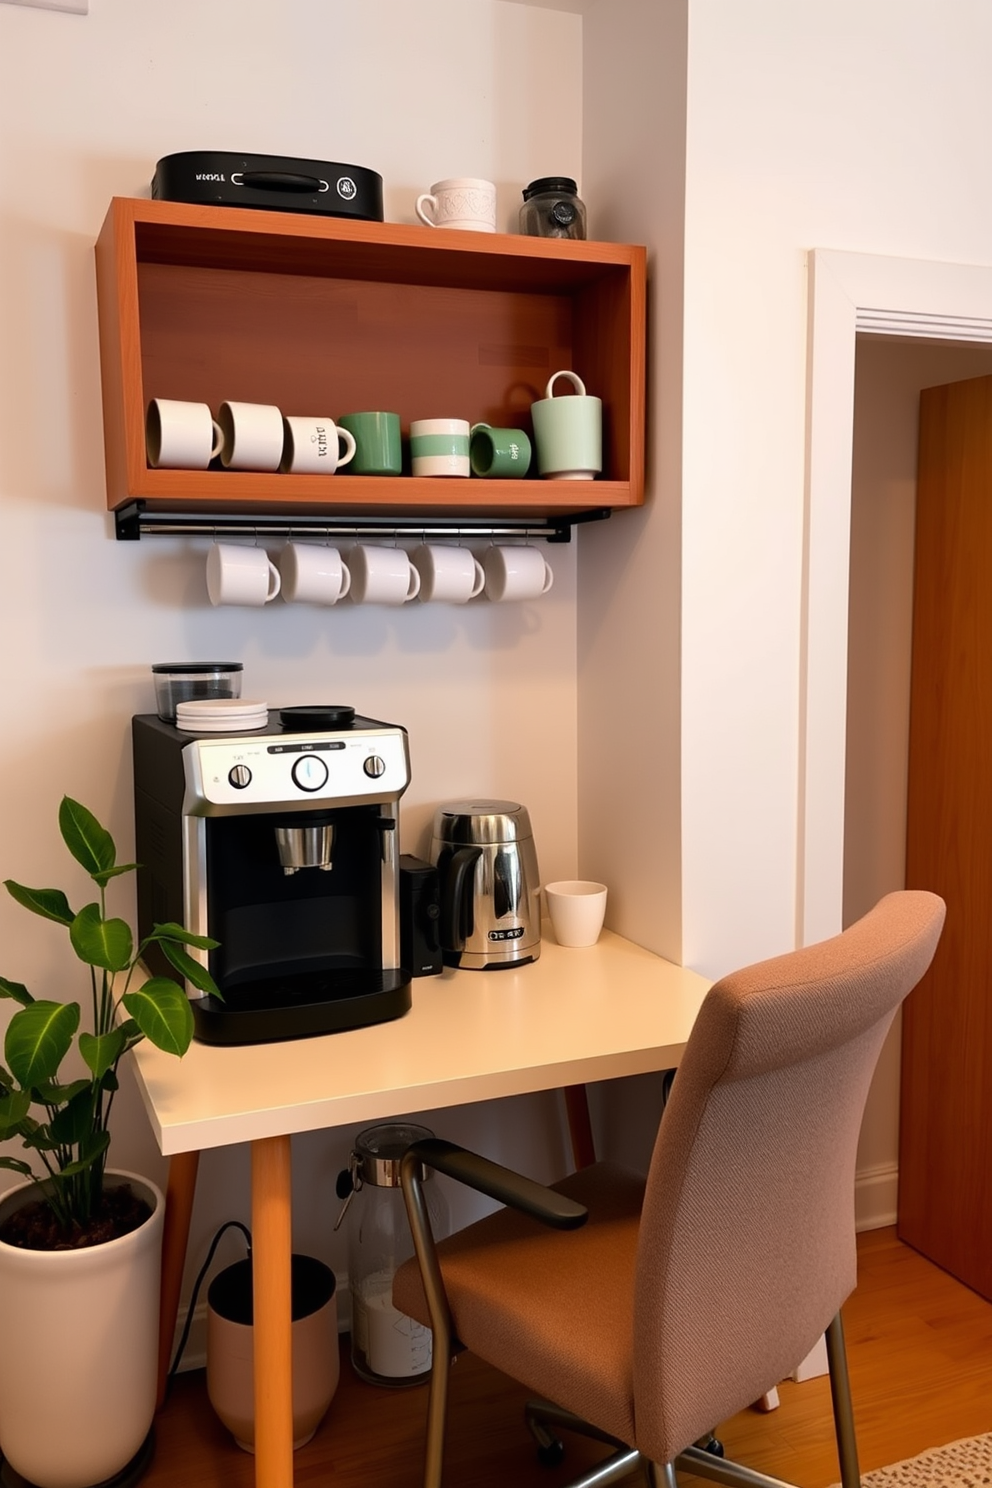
[(280, 844), (305, 845)]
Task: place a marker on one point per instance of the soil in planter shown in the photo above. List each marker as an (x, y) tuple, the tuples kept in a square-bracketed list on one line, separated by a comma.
[(35, 1227)]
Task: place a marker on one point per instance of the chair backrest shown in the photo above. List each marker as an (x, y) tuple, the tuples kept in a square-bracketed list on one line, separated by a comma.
[(747, 1245)]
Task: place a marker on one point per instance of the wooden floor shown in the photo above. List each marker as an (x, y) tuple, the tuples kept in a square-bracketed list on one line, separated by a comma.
[(920, 1354)]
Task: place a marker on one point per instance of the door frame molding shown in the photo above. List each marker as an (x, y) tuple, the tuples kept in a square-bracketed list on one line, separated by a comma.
[(850, 294)]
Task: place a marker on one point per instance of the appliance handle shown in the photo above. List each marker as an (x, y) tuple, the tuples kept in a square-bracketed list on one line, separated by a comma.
[(456, 904)]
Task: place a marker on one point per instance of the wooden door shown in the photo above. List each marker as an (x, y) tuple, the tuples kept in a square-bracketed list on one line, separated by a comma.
[(945, 1160)]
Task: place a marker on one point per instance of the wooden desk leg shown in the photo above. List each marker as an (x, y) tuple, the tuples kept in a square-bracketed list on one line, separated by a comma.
[(272, 1246), (579, 1125), (179, 1195)]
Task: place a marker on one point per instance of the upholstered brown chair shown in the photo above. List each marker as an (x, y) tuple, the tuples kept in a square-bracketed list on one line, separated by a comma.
[(649, 1313)]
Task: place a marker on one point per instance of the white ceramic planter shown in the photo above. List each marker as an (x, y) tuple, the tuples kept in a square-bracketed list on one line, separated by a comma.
[(78, 1362)]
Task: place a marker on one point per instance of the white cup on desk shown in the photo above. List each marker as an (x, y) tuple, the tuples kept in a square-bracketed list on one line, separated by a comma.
[(577, 908)]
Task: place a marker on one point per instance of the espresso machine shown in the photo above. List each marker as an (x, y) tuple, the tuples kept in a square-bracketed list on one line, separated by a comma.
[(281, 844)]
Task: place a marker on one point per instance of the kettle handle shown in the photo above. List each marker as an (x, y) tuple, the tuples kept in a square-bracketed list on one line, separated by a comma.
[(456, 905)]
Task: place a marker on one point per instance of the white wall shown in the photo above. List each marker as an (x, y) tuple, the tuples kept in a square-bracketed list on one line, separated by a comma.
[(841, 124), (87, 106)]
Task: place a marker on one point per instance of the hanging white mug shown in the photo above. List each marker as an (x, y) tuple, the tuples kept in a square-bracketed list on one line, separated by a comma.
[(516, 571), (241, 576)]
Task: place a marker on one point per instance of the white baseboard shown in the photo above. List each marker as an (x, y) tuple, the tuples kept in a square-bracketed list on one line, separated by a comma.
[(876, 1192)]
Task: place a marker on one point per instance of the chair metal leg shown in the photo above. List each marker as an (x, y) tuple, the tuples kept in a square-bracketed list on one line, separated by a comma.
[(661, 1476), (440, 1315), (702, 1464), (840, 1392)]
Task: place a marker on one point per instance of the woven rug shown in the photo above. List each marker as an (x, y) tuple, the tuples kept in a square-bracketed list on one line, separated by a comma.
[(962, 1464)]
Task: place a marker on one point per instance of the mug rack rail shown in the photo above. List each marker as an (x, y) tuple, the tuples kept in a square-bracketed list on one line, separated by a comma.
[(134, 521)]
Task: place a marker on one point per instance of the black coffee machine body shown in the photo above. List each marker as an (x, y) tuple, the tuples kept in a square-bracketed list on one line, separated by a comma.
[(280, 844)]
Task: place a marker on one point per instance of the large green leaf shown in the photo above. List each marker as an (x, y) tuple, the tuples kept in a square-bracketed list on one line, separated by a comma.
[(192, 970), (17, 991), (100, 942), (102, 1051), (90, 844), (162, 1012), (51, 904), (107, 874), (13, 1109), (51, 1093), (37, 1136), (38, 1038), (15, 1165), (74, 1122), (172, 931)]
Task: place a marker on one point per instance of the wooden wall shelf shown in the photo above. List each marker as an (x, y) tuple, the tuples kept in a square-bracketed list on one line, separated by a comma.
[(327, 316)]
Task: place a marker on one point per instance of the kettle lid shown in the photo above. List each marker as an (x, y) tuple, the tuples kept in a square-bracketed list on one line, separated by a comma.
[(481, 822)]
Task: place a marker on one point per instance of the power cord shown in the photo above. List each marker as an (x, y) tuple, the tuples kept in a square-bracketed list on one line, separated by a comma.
[(229, 1224)]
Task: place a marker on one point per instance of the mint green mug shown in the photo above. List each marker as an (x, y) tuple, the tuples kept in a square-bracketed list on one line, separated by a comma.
[(499, 453), (568, 432), (378, 447)]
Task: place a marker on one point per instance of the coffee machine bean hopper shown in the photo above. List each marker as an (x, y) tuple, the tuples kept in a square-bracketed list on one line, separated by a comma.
[(280, 843)]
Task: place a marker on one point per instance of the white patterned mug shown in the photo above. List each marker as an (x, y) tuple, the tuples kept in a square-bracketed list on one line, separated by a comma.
[(313, 446), (462, 201), (439, 447)]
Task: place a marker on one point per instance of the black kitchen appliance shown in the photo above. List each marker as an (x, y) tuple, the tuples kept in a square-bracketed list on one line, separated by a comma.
[(281, 844), (420, 915), (278, 183)]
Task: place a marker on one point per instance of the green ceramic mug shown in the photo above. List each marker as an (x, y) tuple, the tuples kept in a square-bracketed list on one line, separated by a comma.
[(499, 453), (378, 447), (568, 432)]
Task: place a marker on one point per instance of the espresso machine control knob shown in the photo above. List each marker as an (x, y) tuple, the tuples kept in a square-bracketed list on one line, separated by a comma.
[(374, 766), (239, 776), (309, 772)]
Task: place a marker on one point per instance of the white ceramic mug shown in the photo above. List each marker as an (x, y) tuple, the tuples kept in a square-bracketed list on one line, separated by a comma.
[(312, 446), (312, 574), (181, 436), (577, 908), (516, 571), (448, 575), (461, 201), (253, 436), (241, 576), (382, 575)]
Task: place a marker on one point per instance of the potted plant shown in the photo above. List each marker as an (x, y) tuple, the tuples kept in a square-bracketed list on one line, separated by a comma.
[(79, 1244)]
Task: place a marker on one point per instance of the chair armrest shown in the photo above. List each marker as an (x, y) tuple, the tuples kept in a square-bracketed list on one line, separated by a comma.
[(499, 1183)]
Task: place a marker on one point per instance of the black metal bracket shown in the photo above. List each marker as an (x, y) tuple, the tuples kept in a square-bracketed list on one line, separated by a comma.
[(136, 520)]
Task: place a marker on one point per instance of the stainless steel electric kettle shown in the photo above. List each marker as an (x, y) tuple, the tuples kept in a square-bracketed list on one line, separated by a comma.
[(489, 884)]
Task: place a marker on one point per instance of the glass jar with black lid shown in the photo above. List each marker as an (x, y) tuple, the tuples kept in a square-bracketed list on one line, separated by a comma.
[(552, 209)]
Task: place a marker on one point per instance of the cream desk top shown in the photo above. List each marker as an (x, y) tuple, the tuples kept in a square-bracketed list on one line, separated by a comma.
[(573, 1016)]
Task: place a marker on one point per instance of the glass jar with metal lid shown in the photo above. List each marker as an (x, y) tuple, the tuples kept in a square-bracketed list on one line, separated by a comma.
[(387, 1347), (552, 209)]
